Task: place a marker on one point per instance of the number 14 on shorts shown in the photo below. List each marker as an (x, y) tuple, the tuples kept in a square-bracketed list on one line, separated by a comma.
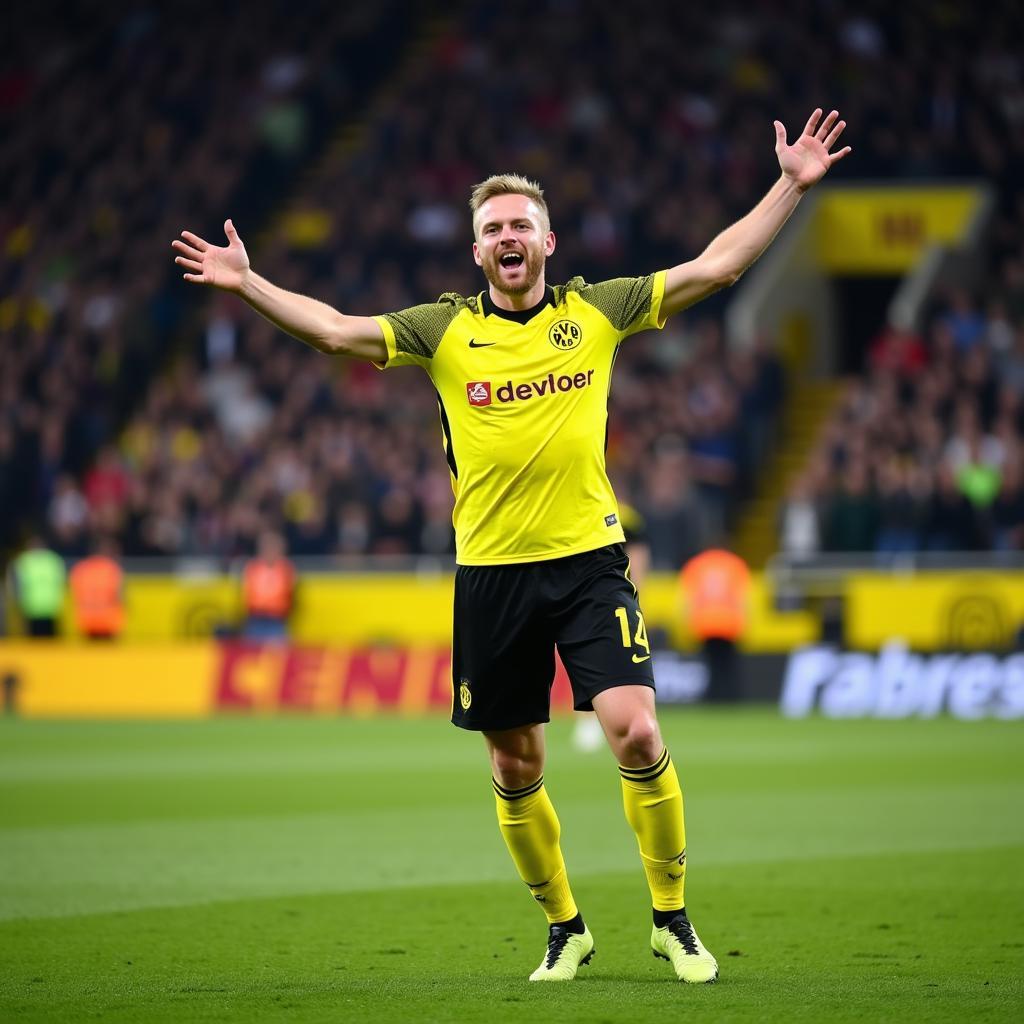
[(639, 638)]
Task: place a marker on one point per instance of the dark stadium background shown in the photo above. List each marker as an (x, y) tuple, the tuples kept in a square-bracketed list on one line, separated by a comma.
[(873, 479)]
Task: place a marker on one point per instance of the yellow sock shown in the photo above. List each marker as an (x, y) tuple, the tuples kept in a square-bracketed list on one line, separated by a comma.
[(654, 808), (531, 831)]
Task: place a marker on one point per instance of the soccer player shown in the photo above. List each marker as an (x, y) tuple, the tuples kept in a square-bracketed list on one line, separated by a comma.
[(522, 372)]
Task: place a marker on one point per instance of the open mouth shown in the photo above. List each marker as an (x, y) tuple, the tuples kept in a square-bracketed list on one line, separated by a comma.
[(511, 260)]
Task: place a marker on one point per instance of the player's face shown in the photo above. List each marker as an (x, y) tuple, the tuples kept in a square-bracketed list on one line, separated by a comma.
[(512, 242)]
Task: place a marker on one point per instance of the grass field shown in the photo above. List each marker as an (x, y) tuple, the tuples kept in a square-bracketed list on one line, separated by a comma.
[(334, 870)]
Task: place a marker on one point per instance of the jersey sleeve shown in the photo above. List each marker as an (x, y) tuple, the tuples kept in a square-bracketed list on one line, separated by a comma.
[(413, 335), (631, 304)]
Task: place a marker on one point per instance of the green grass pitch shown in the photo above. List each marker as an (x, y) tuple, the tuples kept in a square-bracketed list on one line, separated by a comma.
[(333, 870)]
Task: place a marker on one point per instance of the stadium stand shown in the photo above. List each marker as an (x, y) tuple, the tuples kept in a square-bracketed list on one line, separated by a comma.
[(247, 431), (118, 122), (926, 451)]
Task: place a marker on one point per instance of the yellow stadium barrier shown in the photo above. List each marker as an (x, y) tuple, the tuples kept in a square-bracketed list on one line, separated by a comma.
[(397, 609), (935, 610)]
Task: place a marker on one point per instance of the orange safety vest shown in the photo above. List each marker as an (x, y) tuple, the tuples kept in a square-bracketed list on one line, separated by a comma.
[(96, 584), (716, 583), (267, 587)]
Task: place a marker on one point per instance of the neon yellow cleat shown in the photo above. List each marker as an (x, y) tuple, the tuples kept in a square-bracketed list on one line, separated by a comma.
[(567, 951), (678, 943)]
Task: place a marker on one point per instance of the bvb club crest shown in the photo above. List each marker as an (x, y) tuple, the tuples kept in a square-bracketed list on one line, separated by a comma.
[(565, 334), (465, 697)]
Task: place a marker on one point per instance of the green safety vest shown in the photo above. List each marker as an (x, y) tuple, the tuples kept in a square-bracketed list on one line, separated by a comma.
[(40, 578)]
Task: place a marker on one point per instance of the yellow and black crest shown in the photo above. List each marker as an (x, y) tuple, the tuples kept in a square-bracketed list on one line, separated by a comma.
[(465, 697), (565, 334)]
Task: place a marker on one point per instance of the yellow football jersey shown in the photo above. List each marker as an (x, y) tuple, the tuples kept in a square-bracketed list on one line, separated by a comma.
[(524, 411)]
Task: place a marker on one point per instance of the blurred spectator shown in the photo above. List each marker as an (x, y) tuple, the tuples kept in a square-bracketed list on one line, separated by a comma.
[(38, 584), (963, 321), (268, 590), (977, 477), (952, 523), (106, 483), (898, 351), (675, 526), (899, 509), (716, 589), (760, 379), (97, 592), (1011, 363), (800, 520), (68, 517), (851, 517), (1007, 510)]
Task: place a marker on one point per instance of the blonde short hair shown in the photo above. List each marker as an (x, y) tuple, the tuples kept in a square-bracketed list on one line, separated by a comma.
[(508, 185)]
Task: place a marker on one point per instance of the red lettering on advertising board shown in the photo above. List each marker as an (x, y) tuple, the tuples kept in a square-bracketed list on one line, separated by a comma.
[(375, 678), (268, 677), (440, 693), (301, 677), (230, 690)]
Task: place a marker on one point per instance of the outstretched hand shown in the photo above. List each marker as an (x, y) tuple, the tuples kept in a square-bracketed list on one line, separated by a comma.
[(807, 160), (223, 266)]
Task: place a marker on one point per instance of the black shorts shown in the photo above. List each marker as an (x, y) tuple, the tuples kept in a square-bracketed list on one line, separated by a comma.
[(510, 618)]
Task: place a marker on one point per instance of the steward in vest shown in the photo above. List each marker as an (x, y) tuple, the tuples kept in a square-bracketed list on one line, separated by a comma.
[(716, 586), (97, 591), (39, 582), (268, 590)]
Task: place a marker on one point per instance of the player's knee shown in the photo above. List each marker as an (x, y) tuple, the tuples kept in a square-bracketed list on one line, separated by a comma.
[(640, 743), (514, 770)]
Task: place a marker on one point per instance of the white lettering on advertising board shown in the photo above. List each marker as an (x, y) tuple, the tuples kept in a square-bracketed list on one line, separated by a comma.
[(897, 683)]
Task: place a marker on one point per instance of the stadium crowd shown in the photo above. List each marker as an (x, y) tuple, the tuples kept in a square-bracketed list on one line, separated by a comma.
[(926, 452), (248, 430), (118, 122)]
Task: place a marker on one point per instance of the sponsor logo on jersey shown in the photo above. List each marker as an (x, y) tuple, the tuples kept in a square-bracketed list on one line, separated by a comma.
[(473, 343), (611, 520), (479, 391), (565, 334)]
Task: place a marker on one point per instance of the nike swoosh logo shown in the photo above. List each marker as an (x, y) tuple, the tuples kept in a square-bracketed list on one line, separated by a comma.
[(473, 343), (636, 660)]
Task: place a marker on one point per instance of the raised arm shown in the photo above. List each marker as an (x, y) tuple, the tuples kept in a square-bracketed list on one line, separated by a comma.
[(803, 164), (315, 323)]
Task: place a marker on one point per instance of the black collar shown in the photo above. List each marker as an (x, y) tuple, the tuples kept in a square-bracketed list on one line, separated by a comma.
[(520, 316)]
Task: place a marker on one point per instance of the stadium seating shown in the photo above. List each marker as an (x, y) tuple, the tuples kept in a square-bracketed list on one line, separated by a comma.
[(249, 430), (120, 124)]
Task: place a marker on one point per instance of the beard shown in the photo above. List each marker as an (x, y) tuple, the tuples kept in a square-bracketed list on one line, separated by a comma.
[(533, 265)]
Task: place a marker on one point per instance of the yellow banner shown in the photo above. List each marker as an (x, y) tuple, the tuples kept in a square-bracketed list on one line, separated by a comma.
[(930, 611), (397, 609), (43, 679), (106, 680), (885, 230), (935, 611)]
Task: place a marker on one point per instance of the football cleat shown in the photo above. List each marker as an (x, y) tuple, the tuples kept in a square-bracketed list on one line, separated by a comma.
[(566, 952), (677, 942)]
